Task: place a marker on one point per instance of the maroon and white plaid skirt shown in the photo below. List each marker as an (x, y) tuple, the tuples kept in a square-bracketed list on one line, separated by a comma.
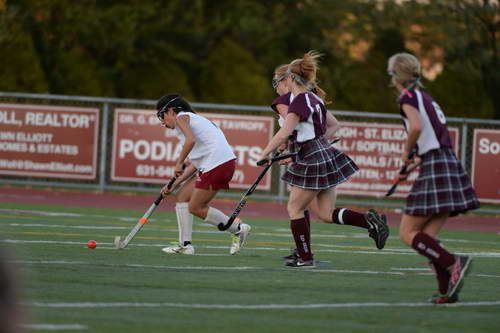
[(442, 186), (318, 165)]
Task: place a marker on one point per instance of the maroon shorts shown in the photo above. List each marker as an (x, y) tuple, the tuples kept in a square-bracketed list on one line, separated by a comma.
[(218, 178)]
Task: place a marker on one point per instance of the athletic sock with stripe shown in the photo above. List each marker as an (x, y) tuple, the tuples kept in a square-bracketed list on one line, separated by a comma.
[(349, 217)]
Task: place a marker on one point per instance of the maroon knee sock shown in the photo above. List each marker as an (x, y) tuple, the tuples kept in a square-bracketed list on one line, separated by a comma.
[(430, 248), (442, 276), (302, 238), (308, 221), (349, 217)]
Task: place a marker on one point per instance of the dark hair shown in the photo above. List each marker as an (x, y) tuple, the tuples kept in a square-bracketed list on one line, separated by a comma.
[(174, 101)]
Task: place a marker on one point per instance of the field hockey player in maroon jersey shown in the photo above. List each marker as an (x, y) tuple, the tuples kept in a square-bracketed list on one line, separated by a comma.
[(318, 167), (280, 106), (442, 188)]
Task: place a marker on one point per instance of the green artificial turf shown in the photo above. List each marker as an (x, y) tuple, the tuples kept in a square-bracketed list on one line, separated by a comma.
[(355, 287)]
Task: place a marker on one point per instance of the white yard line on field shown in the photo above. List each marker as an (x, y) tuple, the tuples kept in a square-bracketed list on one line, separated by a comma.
[(223, 268), (351, 271), (65, 226), (488, 275), (92, 227), (348, 248), (48, 262), (427, 271), (38, 212), (280, 232), (64, 214), (54, 327), (211, 268), (149, 228), (208, 268), (254, 306)]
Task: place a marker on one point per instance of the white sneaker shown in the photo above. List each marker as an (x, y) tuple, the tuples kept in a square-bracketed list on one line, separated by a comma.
[(239, 239), (178, 249)]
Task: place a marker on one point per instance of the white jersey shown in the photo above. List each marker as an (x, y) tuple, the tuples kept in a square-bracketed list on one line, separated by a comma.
[(211, 148)]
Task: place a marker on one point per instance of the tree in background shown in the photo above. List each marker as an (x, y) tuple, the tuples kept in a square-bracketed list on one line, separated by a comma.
[(225, 51), (20, 68), (462, 37), (231, 74)]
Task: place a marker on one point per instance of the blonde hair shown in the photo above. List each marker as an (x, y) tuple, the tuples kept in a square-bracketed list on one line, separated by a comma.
[(405, 69), (280, 71), (303, 70), (318, 91)]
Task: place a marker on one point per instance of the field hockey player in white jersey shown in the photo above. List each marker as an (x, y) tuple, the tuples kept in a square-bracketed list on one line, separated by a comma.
[(442, 188), (318, 167), (210, 155)]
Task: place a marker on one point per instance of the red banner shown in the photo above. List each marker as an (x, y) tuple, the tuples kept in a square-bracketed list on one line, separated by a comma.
[(376, 148), (48, 141), (145, 152), (486, 165)]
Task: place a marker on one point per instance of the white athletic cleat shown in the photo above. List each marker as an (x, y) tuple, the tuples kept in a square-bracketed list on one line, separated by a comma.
[(239, 239), (178, 249)]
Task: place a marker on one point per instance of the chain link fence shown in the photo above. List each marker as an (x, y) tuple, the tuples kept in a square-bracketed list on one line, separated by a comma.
[(278, 190)]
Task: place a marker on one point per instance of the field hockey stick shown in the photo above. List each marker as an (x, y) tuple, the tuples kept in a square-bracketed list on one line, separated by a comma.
[(334, 141), (402, 171), (121, 244), (276, 157)]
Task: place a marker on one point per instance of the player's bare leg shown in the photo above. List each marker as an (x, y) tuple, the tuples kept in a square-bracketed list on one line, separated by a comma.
[(199, 206)]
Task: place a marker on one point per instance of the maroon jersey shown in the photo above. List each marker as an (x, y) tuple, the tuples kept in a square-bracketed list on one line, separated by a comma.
[(312, 112), (434, 133), (283, 99)]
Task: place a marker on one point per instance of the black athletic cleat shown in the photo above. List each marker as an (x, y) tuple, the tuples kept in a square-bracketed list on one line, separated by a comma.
[(301, 263), (443, 299), (292, 257), (458, 271), (379, 230)]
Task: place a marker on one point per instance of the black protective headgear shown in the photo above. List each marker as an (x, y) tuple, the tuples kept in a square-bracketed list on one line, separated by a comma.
[(174, 101)]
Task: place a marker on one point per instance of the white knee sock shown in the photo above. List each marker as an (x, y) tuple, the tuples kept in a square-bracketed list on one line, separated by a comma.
[(215, 216), (184, 221)]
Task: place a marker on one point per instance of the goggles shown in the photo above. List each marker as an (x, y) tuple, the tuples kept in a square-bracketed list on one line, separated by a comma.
[(277, 79)]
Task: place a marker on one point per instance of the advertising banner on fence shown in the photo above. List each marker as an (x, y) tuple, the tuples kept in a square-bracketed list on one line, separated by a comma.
[(145, 152), (48, 141), (486, 164), (376, 148)]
